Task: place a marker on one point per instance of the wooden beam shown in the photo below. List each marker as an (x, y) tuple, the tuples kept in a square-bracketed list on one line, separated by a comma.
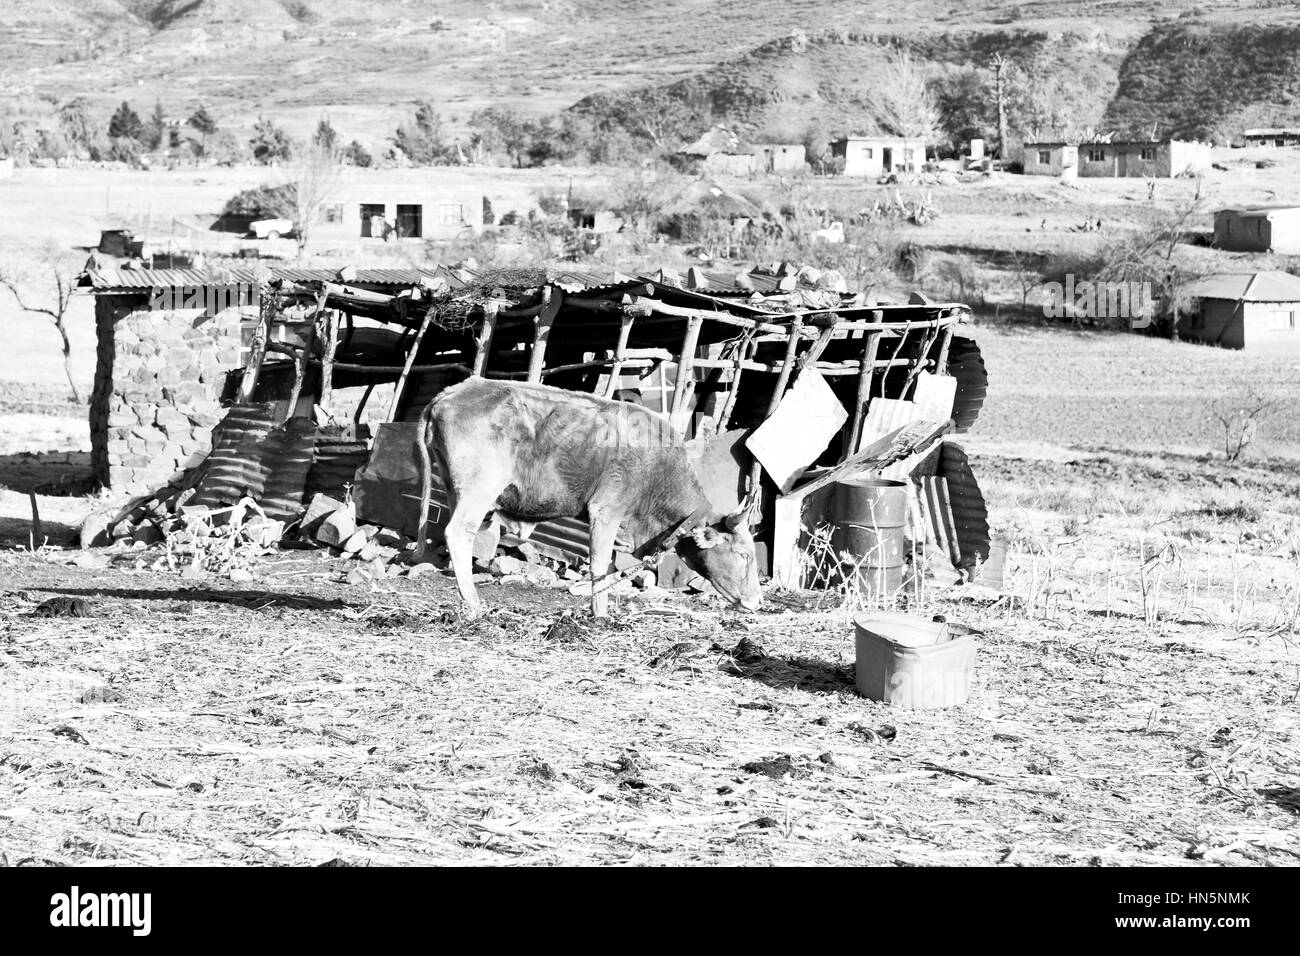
[(327, 358), (545, 318), (685, 387), (301, 360), (411, 353), (483, 344), (853, 434), (257, 351), (620, 355)]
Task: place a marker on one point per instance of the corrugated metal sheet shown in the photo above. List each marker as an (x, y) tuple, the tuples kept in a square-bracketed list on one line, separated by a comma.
[(970, 514), (339, 451), (126, 280), (252, 457), (966, 364), (938, 515)]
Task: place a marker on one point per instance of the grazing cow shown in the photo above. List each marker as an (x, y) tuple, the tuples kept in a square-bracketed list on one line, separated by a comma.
[(533, 452)]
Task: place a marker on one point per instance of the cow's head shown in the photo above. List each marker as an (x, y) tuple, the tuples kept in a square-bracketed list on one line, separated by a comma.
[(726, 558)]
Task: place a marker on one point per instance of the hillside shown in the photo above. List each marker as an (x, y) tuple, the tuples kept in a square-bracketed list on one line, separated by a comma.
[(827, 81), (364, 63), (1210, 80)]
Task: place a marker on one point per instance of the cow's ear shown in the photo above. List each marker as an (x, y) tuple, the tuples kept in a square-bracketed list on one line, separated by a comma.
[(743, 515), (705, 536)]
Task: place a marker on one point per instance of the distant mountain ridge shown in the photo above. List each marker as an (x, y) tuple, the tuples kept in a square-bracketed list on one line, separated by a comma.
[(365, 62)]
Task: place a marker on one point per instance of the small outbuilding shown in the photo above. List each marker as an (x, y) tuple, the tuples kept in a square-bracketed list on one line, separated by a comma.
[(1255, 310), (780, 158), (879, 155), (1258, 229)]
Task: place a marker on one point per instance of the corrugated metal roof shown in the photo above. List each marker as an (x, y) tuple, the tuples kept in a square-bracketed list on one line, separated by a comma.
[(966, 365), (126, 280), (1248, 287), (1266, 210)]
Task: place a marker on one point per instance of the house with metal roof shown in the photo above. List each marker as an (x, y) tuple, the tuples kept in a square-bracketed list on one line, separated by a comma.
[(1258, 229), (1143, 158), (1272, 136), (1255, 310)]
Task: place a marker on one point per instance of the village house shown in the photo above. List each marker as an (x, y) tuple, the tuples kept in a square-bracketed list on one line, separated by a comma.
[(1120, 159), (780, 157), (878, 155), (1272, 136), (1254, 310), (397, 204), (1051, 159), (1143, 158), (1258, 229), (721, 152)]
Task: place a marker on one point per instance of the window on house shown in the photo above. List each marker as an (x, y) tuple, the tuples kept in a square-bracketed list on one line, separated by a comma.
[(1045, 156), (1096, 155), (1279, 319), (410, 220), (866, 152), (332, 212), (371, 211), (1198, 321), (1149, 153), (449, 214), (908, 154)]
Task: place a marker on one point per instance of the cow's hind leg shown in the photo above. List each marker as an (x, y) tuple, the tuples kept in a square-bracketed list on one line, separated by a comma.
[(473, 492)]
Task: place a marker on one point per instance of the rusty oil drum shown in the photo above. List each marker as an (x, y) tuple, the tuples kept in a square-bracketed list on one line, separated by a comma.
[(869, 516)]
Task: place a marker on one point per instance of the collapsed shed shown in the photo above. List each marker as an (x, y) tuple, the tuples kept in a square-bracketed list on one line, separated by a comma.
[(776, 380)]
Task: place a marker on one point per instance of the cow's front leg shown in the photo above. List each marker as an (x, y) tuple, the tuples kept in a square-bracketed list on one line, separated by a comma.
[(604, 528)]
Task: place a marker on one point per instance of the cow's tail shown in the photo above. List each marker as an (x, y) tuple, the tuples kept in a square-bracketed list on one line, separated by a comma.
[(425, 442)]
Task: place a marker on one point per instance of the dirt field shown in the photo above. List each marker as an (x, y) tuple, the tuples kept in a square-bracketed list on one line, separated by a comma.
[(1136, 699)]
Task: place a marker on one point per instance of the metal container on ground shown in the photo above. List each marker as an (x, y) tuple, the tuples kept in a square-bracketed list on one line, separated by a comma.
[(911, 662), (869, 516)]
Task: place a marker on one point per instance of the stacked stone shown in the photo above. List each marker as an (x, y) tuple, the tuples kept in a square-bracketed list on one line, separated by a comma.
[(169, 370)]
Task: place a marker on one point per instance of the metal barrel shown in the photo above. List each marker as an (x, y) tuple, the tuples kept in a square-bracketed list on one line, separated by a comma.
[(869, 516)]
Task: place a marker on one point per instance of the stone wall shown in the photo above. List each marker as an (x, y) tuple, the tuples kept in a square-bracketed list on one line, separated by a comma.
[(158, 384)]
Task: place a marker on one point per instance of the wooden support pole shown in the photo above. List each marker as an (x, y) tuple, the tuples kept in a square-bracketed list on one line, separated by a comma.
[(301, 361), (545, 318), (257, 351), (782, 380), (815, 350), (484, 342), (743, 349), (787, 366), (620, 355), (941, 363), (331, 333), (410, 361), (853, 434), (685, 387)]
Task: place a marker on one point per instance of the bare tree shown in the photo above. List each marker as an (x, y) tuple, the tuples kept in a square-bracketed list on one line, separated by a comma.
[(318, 173), (64, 287), (902, 104), (1240, 417)]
